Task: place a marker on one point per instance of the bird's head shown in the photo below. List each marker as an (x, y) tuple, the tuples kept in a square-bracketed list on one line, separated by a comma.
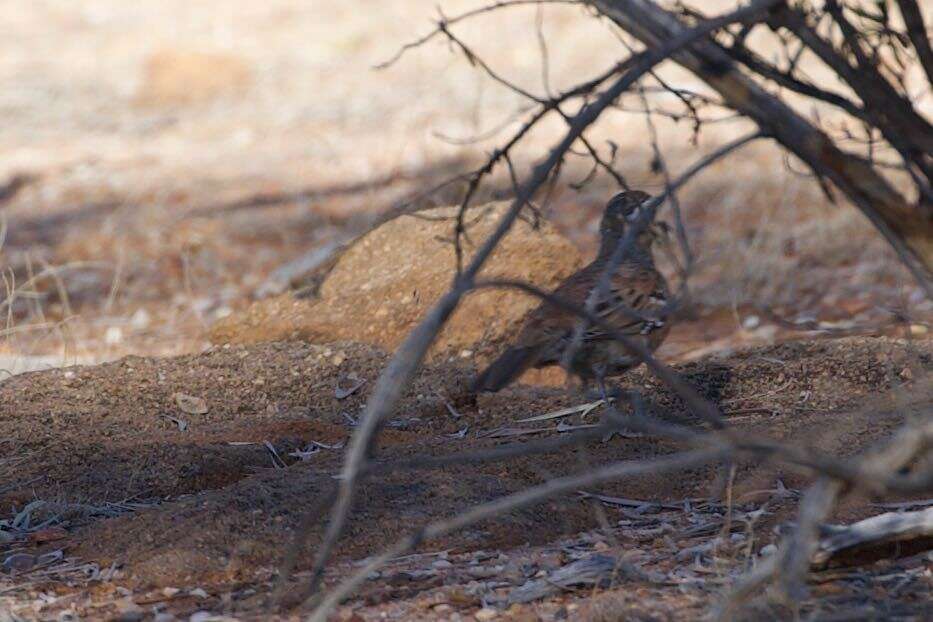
[(622, 209)]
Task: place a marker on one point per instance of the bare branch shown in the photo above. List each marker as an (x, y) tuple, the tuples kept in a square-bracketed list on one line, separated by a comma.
[(522, 499), (410, 354), (444, 22), (909, 231), (917, 32), (906, 130), (787, 80)]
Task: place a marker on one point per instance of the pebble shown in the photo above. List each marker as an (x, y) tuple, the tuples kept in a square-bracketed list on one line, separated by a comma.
[(486, 614), (442, 564), (768, 549)]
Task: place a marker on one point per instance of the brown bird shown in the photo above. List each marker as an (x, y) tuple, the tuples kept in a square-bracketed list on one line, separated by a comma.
[(634, 306)]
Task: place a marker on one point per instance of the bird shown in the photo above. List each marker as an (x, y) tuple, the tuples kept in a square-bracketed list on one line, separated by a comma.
[(635, 305)]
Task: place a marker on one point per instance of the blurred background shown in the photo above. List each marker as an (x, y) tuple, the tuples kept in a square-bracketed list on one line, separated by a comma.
[(163, 159)]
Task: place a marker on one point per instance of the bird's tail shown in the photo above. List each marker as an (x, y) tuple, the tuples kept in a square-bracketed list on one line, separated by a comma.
[(505, 369)]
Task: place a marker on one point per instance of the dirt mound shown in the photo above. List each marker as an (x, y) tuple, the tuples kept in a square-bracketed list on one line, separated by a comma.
[(383, 284), (177, 77), (103, 433), (126, 429)]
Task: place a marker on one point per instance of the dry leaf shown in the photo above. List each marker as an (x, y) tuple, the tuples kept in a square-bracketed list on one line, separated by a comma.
[(49, 534)]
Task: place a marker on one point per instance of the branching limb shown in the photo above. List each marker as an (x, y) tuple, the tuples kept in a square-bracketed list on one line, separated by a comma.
[(445, 22), (410, 354), (917, 32), (909, 231), (522, 499)]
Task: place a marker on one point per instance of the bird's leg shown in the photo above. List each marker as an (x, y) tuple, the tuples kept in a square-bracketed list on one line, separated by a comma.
[(611, 417)]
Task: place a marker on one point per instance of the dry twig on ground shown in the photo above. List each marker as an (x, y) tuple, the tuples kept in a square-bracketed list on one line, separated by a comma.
[(696, 43)]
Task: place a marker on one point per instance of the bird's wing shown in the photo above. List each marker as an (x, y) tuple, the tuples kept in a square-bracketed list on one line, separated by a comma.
[(633, 305)]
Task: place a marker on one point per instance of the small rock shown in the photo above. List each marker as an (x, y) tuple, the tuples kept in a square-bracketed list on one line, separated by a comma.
[(751, 322), (521, 613), (129, 611), (113, 336), (765, 332), (442, 564), (190, 404), (768, 549), (198, 593), (442, 609), (486, 614), (140, 320), (169, 592)]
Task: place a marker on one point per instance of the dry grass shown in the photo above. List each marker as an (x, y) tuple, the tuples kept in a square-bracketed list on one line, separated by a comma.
[(178, 202)]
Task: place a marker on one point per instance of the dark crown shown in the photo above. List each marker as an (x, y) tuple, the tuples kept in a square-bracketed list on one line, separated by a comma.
[(624, 205)]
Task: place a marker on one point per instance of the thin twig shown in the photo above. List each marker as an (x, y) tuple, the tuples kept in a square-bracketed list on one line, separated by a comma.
[(410, 354), (515, 501)]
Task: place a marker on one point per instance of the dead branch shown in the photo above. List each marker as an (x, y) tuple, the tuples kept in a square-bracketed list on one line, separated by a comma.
[(906, 130), (515, 501), (917, 32), (909, 231), (445, 22), (791, 563), (877, 530), (410, 354)]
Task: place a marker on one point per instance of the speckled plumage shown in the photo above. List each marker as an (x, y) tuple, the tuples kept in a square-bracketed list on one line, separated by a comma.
[(633, 306)]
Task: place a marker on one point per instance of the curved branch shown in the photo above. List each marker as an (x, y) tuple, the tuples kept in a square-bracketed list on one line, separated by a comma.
[(411, 353), (444, 22), (917, 33), (515, 501), (908, 231)]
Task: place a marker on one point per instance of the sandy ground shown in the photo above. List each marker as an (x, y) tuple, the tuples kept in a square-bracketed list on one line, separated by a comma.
[(182, 152), (194, 473)]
